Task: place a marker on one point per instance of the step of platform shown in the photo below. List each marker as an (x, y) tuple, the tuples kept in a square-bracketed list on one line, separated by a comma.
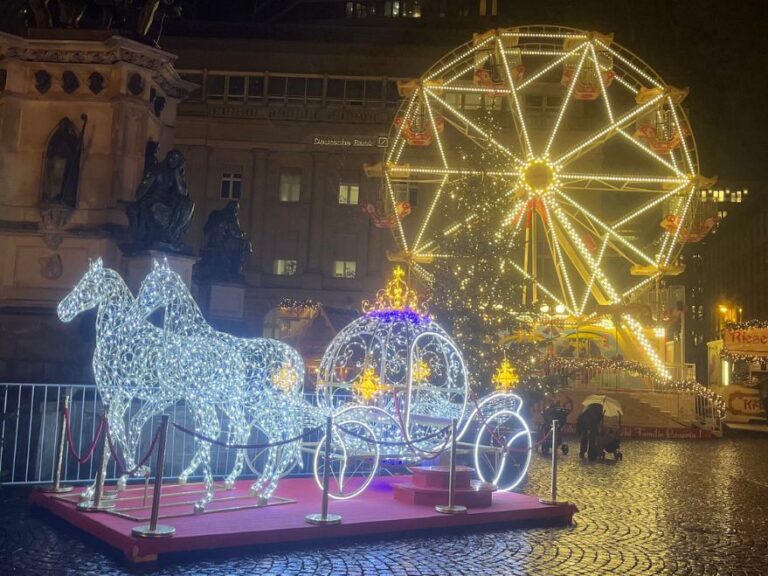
[(477, 495), (439, 476)]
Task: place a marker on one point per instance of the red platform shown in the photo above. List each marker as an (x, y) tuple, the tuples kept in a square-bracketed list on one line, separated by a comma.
[(429, 487), (373, 512)]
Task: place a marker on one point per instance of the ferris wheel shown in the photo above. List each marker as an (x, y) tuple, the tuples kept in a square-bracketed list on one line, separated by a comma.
[(588, 154)]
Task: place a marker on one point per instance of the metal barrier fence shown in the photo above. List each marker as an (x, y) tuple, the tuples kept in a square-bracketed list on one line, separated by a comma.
[(29, 433)]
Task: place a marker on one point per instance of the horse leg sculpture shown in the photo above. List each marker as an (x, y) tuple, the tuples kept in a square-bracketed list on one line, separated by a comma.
[(240, 431), (206, 424)]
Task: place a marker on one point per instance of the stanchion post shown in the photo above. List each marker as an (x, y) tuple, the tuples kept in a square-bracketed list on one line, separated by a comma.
[(61, 445), (99, 502), (553, 488), (324, 518), (452, 508), (155, 530)]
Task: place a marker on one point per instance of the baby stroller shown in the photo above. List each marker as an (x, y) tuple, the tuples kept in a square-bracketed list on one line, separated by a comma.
[(553, 412), (609, 442)]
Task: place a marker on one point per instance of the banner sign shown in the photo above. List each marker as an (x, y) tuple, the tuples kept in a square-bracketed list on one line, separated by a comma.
[(351, 141), (752, 341)]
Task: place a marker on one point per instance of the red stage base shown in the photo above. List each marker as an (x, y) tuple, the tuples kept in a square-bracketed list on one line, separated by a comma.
[(233, 521)]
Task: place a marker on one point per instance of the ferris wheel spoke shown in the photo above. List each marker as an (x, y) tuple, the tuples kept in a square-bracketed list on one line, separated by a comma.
[(637, 330), (525, 144), (428, 217), (606, 133), (542, 287), (600, 255), (399, 142), (629, 64), (681, 219), (469, 124), (618, 182), (566, 101), (642, 284), (556, 62), (459, 58), (651, 153), (681, 132), (401, 231), (603, 91), (585, 255), (611, 230), (405, 170), (436, 132), (560, 267)]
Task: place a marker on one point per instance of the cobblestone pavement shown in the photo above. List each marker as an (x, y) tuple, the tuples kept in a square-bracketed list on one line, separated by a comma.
[(670, 507)]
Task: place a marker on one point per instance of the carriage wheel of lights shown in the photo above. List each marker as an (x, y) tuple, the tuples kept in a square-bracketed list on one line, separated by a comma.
[(588, 151), (394, 380)]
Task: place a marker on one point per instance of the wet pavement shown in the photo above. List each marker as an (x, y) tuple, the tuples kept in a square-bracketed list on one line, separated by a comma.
[(670, 507)]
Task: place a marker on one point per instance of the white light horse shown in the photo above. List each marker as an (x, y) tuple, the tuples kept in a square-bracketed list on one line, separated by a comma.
[(272, 401), (135, 359)]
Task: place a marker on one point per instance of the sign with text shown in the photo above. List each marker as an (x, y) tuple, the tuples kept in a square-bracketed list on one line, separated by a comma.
[(351, 141), (752, 341)]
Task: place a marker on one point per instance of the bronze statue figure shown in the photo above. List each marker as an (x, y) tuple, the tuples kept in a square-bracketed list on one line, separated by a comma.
[(162, 211), (225, 246)]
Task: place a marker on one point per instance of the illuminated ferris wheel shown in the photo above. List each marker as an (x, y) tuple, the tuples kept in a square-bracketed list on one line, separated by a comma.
[(587, 152)]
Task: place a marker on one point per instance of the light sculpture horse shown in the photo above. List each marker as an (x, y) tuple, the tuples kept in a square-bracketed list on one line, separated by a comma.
[(136, 360), (272, 400)]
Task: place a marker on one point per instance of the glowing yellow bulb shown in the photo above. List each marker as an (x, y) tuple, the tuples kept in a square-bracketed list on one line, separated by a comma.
[(421, 371), (506, 376), (286, 378), (368, 384)]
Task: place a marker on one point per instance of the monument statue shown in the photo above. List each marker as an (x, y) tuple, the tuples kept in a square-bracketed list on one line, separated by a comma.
[(162, 211), (225, 247), (62, 163)]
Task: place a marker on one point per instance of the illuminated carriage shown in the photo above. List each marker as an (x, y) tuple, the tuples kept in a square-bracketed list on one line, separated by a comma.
[(394, 380)]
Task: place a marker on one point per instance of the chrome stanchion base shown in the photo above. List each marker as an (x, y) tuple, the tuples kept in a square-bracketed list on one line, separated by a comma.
[(160, 531), (551, 502), (446, 509), (89, 506), (55, 489), (323, 520)]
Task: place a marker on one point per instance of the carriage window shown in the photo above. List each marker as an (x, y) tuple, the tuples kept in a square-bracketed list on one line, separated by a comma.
[(344, 268), (284, 267)]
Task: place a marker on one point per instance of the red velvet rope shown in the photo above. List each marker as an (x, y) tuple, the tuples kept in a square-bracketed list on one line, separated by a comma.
[(71, 442), (239, 446), (119, 460)]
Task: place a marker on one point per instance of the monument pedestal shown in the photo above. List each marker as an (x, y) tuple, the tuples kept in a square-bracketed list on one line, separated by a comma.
[(135, 267)]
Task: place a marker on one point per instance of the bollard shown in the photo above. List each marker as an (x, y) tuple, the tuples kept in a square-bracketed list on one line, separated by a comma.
[(56, 487), (99, 502), (452, 508), (553, 490), (324, 518), (155, 530)]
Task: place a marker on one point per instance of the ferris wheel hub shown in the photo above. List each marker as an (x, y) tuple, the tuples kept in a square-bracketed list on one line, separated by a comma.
[(538, 176)]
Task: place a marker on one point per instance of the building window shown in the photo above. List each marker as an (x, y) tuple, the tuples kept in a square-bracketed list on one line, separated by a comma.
[(290, 186), (284, 267), (360, 10), (404, 8), (406, 192), (344, 268), (349, 193), (231, 185)]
